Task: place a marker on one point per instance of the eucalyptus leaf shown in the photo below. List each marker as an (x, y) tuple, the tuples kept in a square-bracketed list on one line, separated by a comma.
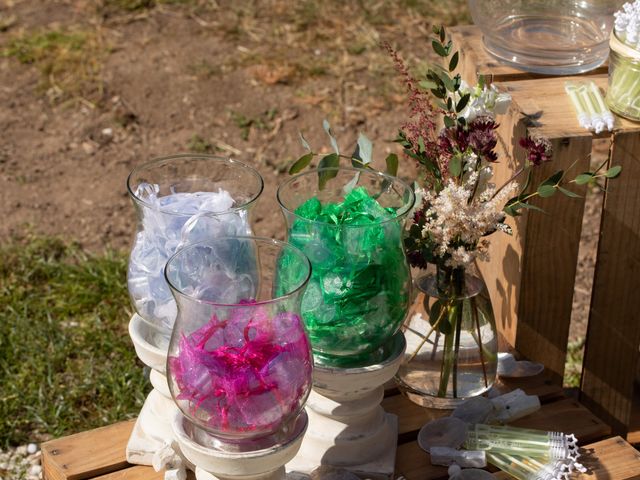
[(526, 183), (332, 139), (555, 178), (365, 148), (442, 33), (305, 144), (331, 160), (531, 207), (569, 193), (438, 48), (584, 178), (455, 166), (428, 84), (392, 164), (464, 100), (434, 312), (453, 63), (613, 172), (446, 324), (546, 190), (300, 164)]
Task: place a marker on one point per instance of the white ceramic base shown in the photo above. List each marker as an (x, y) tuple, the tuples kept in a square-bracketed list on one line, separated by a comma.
[(347, 426), (153, 426), (263, 461)]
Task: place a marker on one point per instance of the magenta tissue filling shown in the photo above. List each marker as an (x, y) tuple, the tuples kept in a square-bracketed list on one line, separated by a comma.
[(245, 374)]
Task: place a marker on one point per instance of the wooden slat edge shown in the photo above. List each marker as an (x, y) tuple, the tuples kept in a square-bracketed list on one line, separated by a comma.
[(87, 454)]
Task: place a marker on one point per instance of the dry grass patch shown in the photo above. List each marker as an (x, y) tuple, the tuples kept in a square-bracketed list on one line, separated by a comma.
[(69, 61)]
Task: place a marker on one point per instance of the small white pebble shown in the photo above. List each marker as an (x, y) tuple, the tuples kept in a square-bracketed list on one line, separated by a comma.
[(21, 450), (32, 448), (107, 132), (454, 470), (175, 474), (35, 470)]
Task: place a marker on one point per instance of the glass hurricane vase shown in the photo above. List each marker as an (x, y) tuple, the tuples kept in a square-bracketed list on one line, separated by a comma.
[(559, 37), (181, 200), (349, 223), (239, 363), (452, 345)]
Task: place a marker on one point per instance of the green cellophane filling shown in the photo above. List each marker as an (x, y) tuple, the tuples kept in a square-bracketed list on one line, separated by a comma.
[(358, 294)]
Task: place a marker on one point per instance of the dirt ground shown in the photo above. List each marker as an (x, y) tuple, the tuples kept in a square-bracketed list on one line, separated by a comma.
[(238, 80), (155, 77)]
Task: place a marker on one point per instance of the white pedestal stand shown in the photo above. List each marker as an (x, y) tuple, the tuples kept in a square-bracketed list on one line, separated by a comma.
[(153, 427), (214, 459), (347, 426)]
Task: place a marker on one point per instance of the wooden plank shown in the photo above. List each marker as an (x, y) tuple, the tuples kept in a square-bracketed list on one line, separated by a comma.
[(549, 261), (531, 275), (137, 472), (475, 60), (613, 335), (413, 463), (411, 417), (633, 435), (610, 459), (542, 385), (87, 454), (566, 416), (502, 272), (550, 110)]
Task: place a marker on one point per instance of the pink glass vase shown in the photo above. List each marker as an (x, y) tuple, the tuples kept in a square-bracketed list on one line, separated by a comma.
[(239, 362)]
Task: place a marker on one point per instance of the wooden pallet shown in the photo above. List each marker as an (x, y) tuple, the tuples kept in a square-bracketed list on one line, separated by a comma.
[(531, 275), (100, 453)]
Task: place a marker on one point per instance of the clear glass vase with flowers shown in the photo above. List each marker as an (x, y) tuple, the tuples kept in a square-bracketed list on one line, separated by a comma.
[(451, 133)]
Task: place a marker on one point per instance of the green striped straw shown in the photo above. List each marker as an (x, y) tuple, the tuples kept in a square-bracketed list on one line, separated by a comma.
[(522, 442)]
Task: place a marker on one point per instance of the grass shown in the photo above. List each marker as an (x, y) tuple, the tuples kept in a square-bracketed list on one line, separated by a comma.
[(137, 5), (66, 361), (69, 61), (573, 364)]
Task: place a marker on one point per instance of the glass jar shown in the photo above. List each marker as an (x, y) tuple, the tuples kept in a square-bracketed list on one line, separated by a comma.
[(349, 223), (181, 200), (452, 354), (239, 363), (561, 37), (623, 94)]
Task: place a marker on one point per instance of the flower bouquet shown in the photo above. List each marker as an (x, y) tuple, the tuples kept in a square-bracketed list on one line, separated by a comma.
[(451, 133)]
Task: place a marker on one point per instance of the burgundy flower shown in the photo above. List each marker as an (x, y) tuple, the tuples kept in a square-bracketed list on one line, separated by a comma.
[(539, 150), (481, 137)]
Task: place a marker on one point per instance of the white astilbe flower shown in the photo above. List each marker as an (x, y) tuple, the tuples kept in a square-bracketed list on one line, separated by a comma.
[(456, 226)]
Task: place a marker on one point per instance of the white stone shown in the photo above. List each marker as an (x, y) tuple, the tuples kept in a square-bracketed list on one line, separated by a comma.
[(514, 405), (35, 470), (175, 474), (32, 448)]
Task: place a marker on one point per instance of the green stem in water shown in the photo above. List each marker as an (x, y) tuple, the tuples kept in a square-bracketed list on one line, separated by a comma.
[(446, 365), (451, 283), (457, 348), (476, 320)]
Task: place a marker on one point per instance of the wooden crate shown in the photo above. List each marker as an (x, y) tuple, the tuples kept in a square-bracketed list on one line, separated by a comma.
[(531, 275), (100, 453)]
